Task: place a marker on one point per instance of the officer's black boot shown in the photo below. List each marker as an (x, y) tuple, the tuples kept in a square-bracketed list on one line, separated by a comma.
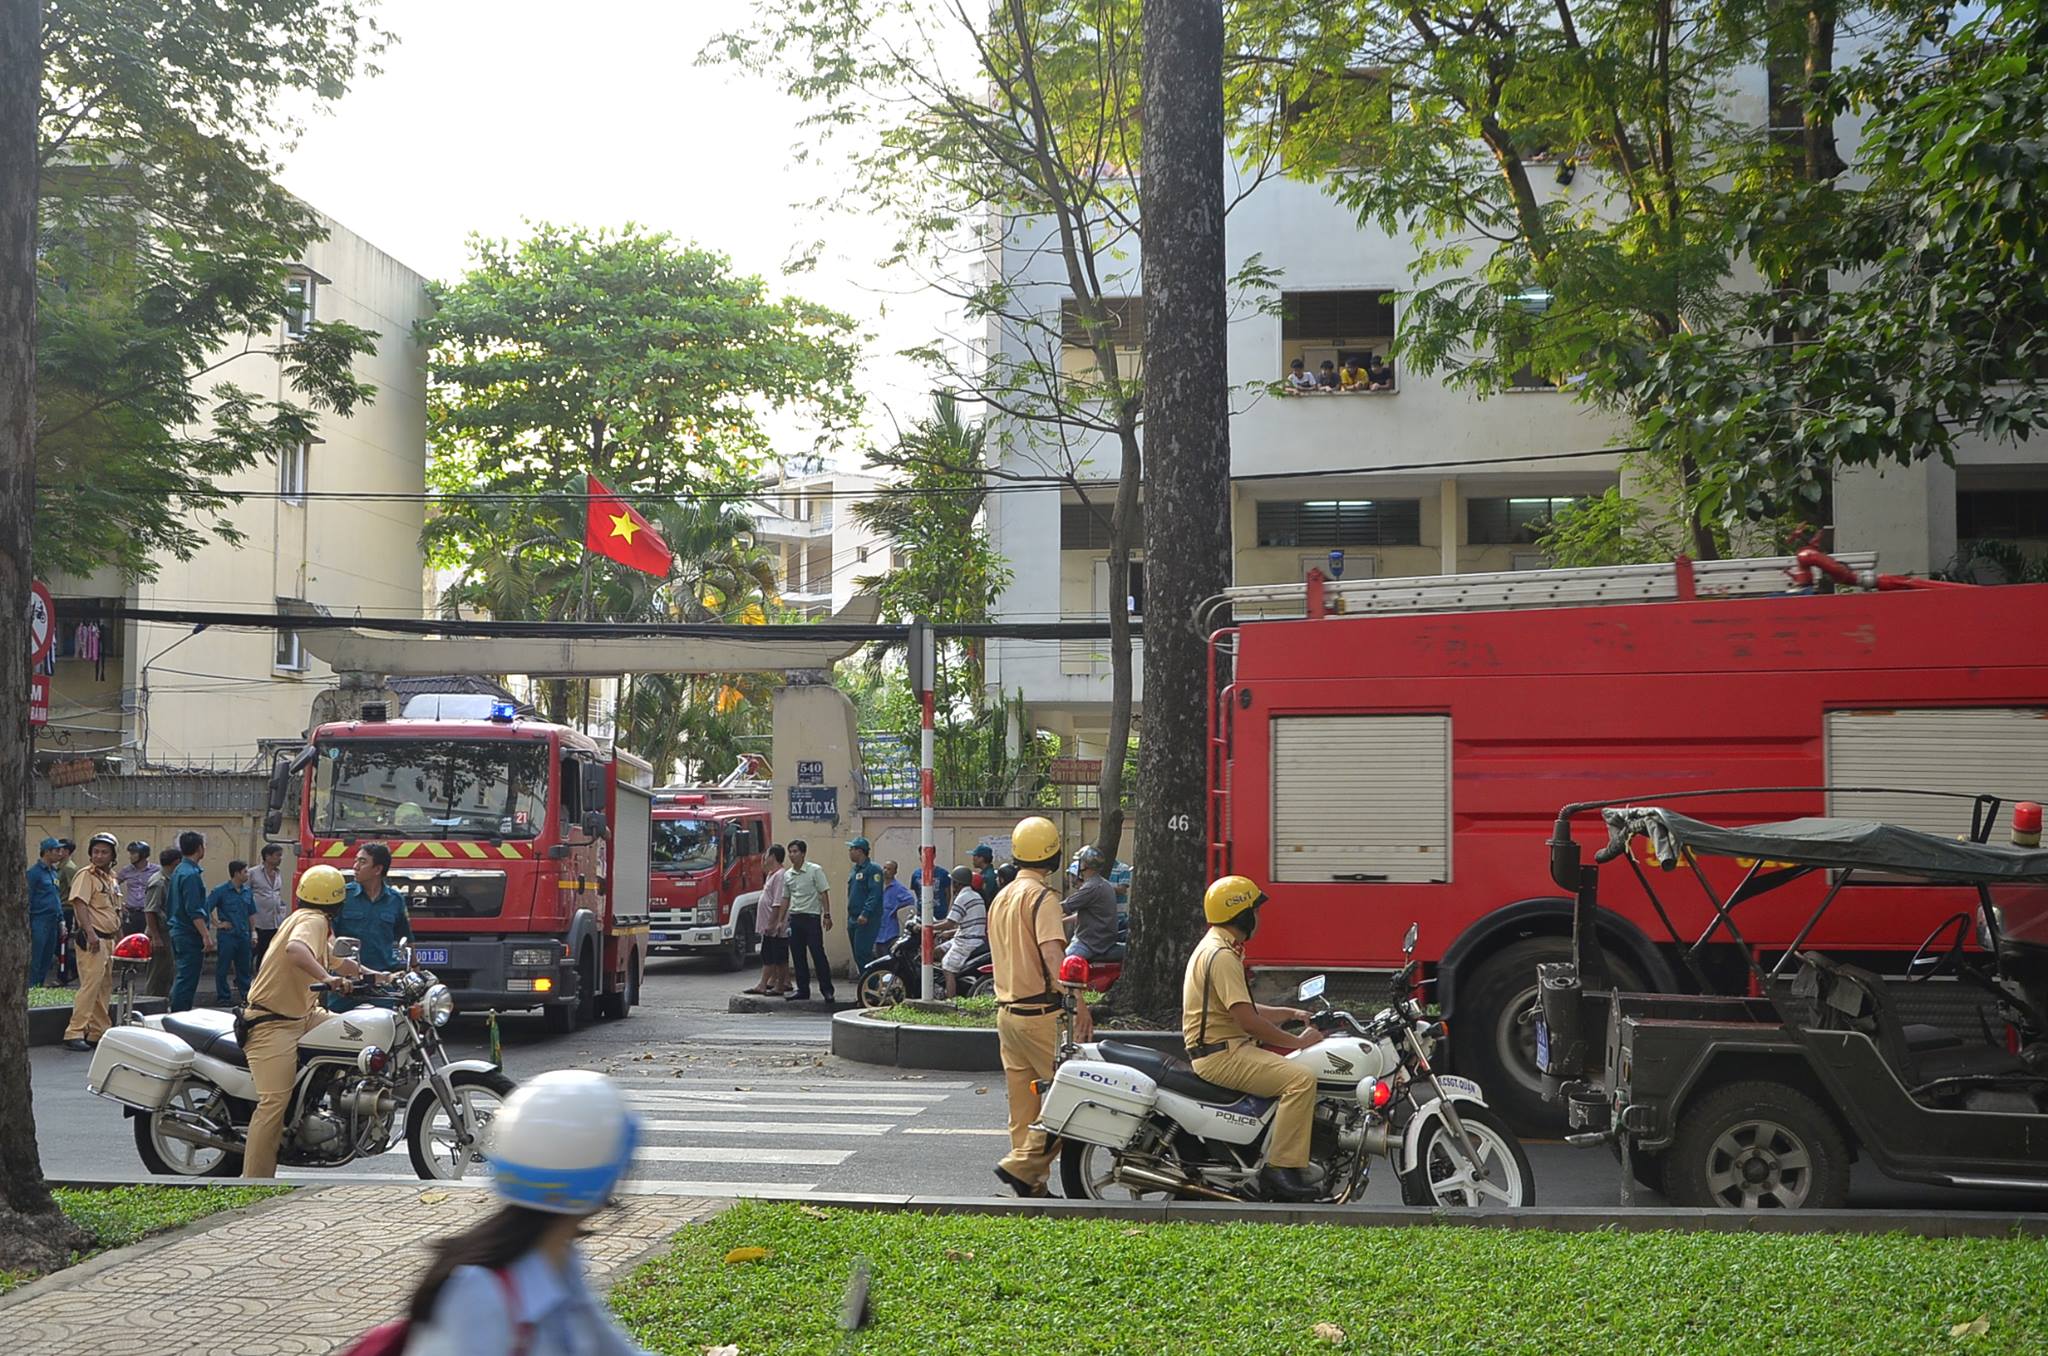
[(1287, 1184)]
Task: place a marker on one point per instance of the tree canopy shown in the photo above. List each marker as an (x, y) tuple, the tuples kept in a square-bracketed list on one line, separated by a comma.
[(164, 253)]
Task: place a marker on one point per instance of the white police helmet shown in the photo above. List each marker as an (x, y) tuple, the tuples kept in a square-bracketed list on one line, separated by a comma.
[(562, 1142)]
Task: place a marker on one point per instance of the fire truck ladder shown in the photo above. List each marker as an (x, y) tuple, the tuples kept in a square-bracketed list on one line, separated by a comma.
[(1679, 580)]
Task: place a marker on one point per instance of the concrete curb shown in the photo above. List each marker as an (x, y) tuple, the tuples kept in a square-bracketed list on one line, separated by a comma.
[(954, 1049), (46, 1025), (1561, 1219), (809, 1007)]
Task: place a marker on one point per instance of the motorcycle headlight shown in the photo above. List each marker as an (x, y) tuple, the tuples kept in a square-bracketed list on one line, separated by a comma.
[(439, 1005)]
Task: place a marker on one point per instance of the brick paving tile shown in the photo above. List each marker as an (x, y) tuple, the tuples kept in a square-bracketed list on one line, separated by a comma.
[(301, 1277)]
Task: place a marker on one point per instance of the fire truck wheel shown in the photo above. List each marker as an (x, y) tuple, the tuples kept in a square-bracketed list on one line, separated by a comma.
[(619, 1003), (1494, 1029), (586, 986), (561, 1017), (741, 949)]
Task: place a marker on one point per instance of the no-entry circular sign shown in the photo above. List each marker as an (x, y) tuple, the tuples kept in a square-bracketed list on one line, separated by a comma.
[(42, 622)]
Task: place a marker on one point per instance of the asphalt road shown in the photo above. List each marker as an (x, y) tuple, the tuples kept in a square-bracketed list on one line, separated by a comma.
[(731, 1102)]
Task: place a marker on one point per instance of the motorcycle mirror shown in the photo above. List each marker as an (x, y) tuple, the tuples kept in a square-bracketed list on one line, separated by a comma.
[(1409, 938), (1311, 988), (347, 948)]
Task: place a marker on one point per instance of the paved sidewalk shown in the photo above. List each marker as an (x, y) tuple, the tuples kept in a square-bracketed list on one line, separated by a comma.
[(302, 1275)]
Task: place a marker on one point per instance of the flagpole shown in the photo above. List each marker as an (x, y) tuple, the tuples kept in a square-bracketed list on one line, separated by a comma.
[(586, 617)]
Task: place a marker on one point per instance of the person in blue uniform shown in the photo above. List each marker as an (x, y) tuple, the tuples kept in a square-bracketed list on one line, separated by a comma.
[(863, 902), (190, 939), (372, 913), (232, 906)]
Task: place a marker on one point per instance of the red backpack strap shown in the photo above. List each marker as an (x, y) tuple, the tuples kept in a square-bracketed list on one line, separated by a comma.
[(522, 1332)]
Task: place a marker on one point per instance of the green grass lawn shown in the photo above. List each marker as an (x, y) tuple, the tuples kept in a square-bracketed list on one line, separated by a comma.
[(40, 997), (118, 1216), (967, 1012), (985, 1284)]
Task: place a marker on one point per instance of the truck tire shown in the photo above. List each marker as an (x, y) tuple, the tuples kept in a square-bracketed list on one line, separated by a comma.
[(618, 1004), (736, 953), (587, 982), (1757, 1145), (561, 1017), (1495, 1036)]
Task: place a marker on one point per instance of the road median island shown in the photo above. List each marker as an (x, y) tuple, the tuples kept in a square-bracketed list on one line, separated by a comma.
[(946, 1283), (959, 1039)]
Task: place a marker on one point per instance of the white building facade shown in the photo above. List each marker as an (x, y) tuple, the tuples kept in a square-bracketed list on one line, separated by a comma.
[(821, 547), (161, 696)]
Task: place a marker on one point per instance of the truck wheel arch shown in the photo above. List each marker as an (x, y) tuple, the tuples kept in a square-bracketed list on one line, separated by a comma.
[(1546, 916)]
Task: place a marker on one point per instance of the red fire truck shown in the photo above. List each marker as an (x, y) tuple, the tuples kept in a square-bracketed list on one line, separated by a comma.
[(709, 863), (521, 848), (1398, 755)]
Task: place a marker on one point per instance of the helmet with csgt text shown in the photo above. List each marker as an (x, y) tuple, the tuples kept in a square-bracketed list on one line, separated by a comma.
[(562, 1142), (323, 887), (1229, 896), (1035, 840)]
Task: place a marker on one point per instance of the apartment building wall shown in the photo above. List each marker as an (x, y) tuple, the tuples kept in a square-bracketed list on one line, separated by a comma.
[(176, 698)]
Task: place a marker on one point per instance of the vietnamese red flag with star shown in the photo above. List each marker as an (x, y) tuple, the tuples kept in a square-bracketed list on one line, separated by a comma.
[(616, 532)]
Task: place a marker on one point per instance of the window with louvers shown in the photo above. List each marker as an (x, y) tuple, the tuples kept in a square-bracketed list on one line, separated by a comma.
[(1364, 799), (1126, 320), (1340, 522), (1085, 527), (1357, 314)]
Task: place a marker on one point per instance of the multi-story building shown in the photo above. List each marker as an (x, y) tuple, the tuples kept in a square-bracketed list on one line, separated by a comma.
[(1413, 478), (160, 695), (821, 547)]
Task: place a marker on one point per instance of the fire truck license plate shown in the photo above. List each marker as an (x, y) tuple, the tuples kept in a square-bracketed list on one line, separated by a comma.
[(430, 955)]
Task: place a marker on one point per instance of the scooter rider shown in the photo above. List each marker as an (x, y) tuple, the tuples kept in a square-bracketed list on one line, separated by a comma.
[(1027, 941), (1224, 1028), (281, 1007)]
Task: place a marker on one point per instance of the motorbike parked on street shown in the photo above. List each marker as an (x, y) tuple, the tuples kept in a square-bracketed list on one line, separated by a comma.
[(897, 973), (368, 1077), (1138, 1124)]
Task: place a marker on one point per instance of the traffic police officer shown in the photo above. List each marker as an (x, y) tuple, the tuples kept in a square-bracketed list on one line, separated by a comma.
[(1027, 941), (281, 1007), (96, 926), (1224, 1029), (864, 886)]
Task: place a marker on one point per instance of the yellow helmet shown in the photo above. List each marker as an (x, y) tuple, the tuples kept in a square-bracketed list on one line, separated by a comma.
[(1034, 840), (1229, 896), (322, 886)]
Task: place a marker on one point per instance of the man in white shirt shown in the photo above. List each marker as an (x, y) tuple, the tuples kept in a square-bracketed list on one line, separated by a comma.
[(967, 924), (771, 917), (266, 891)]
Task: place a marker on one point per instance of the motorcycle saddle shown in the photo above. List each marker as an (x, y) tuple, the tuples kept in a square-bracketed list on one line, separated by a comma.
[(208, 1033), (1177, 1075)]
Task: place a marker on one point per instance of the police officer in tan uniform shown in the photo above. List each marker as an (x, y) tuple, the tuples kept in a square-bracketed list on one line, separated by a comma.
[(96, 926), (1027, 941), (282, 1005), (1223, 1029)]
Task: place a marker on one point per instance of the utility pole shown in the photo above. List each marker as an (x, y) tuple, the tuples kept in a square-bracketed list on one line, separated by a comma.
[(923, 666), (1187, 489)]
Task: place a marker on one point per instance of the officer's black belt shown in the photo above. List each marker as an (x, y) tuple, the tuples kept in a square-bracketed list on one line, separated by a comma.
[(1203, 1051)]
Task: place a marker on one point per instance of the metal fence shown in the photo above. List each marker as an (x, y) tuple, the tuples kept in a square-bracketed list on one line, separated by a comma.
[(174, 793)]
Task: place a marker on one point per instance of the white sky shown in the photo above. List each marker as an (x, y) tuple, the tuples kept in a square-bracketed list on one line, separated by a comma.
[(493, 112)]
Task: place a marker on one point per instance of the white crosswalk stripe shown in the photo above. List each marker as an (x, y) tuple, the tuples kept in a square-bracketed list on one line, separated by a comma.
[(764, 1127), (743, 1153)]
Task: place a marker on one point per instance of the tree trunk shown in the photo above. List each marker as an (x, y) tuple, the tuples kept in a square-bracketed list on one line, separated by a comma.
[(1116, 748), (33, 1235), (1187, 502)]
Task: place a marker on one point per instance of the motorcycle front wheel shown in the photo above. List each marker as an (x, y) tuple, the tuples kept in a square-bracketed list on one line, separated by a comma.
[(430, 1131), (1442, 1179), (171, 1157), (882, 989)]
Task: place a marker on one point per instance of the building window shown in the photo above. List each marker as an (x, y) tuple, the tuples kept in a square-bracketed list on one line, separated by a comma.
[(1510, 522), (1339, 328), (861, 552), (1135, 595), (1085, 527), (2001, 515), (293, 466), (298, 311), (1125, 317), (291, 654), (1535, 305), (1340, 522)]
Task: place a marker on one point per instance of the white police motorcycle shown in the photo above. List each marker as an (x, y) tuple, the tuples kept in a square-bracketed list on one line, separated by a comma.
[(1138, 1124), (367, 1076)]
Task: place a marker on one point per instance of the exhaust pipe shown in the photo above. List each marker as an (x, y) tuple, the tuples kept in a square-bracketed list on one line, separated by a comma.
[(1145, 1177), (177, 1125)]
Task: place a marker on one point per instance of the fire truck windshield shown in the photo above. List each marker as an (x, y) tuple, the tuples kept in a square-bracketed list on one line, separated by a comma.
[(418, 788), (685, 844)]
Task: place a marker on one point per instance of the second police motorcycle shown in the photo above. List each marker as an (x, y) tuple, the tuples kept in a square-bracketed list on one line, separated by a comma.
[(1140, 1124)]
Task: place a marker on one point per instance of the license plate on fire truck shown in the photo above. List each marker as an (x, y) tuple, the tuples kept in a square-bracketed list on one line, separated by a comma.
[(430, 955)]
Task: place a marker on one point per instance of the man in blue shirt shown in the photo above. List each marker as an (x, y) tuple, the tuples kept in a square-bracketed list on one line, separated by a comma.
[(863, 902), (942, 890), (373, 915), (232, 905), (45, 911), (896, 897), (190, 940)]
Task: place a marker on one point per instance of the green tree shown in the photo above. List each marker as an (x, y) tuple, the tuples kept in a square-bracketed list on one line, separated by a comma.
[(164, 252), (1590, 203), (652, 365)]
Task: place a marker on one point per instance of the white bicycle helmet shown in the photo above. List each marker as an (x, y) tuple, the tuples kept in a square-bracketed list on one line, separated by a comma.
[(562, 1142)]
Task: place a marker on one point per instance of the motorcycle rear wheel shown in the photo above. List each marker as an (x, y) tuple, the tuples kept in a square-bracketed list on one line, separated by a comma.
[(1086, 1175), (1439, 1168), (170, 1157)]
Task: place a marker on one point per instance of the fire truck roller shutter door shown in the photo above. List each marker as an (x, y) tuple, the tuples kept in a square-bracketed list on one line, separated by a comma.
[(1364, 798), (2000, 751)]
